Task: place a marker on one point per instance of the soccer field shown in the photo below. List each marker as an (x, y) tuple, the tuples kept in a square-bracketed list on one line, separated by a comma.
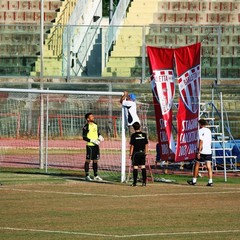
[(38, 206)]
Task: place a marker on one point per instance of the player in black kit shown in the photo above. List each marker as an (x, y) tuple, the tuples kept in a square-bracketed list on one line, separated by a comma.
[(138, 152)]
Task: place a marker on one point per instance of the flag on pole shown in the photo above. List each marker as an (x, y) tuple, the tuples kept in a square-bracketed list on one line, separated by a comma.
[(161, 61), (187, 60)]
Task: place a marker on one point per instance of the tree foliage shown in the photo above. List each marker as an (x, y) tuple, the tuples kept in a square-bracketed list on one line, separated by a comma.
[(106, 6)]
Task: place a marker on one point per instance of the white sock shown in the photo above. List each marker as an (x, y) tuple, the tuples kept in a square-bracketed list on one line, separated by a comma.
[(194, 180), (210, 180)]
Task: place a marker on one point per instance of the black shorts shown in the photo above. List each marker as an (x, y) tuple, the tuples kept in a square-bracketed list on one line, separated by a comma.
[(92, 152), (138, 158), (205, 158)]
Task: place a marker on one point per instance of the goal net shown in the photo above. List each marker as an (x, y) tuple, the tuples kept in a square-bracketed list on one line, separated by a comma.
[(43, 129)]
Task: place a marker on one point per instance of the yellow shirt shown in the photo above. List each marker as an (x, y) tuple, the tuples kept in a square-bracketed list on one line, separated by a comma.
[(92, 133)]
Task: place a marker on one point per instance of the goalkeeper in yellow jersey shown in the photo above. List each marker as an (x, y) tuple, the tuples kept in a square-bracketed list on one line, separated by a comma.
[(93, 138)]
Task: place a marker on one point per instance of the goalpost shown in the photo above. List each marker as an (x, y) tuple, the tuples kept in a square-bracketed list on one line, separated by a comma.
[(20, 129)]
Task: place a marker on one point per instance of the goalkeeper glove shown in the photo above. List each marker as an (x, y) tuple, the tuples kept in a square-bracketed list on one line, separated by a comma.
[(96, 142), (100, 138)]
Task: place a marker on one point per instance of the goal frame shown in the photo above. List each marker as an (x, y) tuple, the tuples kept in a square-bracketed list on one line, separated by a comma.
[(100, 93)]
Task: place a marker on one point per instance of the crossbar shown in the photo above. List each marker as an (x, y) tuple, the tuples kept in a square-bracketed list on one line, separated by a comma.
[(46, 91)]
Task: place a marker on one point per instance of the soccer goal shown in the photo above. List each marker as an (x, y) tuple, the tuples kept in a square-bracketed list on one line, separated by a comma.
[(43, 129)]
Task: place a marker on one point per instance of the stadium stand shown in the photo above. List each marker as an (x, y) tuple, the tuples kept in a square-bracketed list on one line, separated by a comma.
[(20, 34), (53, 42), (163, 23), (179, 23), (66, 34)]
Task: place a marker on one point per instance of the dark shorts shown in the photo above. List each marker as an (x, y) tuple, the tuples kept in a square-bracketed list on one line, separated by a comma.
[(92, 152), (205, 158), (138, 158)]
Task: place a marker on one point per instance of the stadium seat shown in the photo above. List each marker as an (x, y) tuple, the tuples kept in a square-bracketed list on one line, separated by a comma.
[(4, 5), (34, 5), (13, 5), (24, 6)]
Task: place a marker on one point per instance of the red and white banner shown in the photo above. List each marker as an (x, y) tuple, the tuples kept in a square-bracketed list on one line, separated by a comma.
[(187, 60), (161, 62)]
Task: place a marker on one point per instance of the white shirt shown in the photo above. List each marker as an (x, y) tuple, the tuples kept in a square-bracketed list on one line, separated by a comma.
[(206, 136), (130, 112)]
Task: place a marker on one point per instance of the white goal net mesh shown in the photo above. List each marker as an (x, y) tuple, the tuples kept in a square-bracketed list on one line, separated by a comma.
[(63, 115)]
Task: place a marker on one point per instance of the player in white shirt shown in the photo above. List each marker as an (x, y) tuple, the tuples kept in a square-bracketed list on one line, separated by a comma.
[(130, 107), (204, 153)]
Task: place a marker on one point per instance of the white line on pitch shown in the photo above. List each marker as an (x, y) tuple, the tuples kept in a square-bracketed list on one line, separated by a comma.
[(54, 192), (120, 236), (176, 233), (180, 194), (52, 231), (121, 196)]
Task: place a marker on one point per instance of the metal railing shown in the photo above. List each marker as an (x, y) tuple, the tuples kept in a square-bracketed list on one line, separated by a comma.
[(217, 61), (111, 33), (88, 41)]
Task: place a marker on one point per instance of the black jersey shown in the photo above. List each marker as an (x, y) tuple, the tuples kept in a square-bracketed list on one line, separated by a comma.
[(139, 140)]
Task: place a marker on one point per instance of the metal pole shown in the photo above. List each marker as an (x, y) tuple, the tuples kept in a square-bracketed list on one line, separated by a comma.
[(46, 141), (29, 116), (123, 165), (143, 54), (41, 37), (223, 139), (70, 57), (213, 105), (219, 55), (214, 163), (110, 110), (41, 139)]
